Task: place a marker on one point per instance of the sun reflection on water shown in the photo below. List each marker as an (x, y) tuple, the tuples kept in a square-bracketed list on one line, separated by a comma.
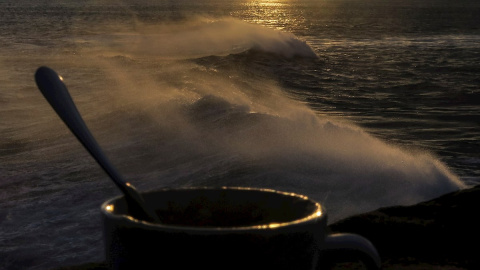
[(273, 13), (268, 3)]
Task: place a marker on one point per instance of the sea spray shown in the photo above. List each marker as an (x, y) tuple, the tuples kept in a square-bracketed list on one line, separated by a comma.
[(204, 122), (197, 37), (231, 117)]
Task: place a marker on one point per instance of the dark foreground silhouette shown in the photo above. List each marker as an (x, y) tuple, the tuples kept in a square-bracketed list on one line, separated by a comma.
[(442, 233)]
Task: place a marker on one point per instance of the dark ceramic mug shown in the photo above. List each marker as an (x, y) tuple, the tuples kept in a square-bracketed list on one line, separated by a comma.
[(227, 228)]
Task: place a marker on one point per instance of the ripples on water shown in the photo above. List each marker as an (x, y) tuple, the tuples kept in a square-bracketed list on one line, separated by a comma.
[(404, 72), (408, 72)]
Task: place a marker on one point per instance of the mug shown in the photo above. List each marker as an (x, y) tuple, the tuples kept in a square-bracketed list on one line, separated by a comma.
[(227, 228)]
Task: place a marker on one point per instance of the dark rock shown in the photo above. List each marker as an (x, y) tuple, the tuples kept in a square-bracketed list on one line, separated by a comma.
[(439, 234)]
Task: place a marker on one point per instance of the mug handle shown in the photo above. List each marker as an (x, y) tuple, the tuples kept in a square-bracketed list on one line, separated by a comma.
[(338, 247)]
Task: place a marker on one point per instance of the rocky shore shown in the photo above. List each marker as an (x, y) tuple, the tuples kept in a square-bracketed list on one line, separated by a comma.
[(443, 233)]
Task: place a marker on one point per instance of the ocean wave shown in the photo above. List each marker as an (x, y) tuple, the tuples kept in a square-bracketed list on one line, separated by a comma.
[(197, 37), (337, 163)]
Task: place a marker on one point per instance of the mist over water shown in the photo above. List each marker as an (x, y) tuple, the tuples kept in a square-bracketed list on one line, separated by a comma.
[(197, 37), (214, 124), (193, 102)]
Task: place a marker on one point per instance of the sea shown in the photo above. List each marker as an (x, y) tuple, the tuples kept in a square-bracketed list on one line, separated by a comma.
[(358, 104)]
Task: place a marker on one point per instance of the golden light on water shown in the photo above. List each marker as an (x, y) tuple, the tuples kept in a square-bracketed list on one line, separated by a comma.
[(268, 12), (268, 3)]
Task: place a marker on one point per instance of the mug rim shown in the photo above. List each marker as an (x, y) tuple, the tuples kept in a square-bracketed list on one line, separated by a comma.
[(315, 216)]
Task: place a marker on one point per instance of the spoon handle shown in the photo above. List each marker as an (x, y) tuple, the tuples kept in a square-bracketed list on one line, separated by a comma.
[(54, 90)]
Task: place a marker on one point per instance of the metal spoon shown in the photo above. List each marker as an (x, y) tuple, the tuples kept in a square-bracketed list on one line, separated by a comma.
[(54, 90)]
